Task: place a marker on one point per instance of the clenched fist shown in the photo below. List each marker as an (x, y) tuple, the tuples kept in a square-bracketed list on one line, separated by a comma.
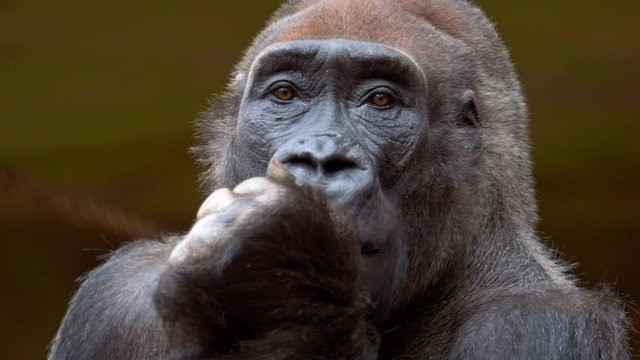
[(264, 264)]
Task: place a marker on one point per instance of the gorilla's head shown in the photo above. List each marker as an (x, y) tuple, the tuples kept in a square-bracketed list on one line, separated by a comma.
[(403, 114)]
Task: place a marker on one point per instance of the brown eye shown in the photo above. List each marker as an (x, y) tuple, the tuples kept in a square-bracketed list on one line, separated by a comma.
[(284, 93), (382, 100)]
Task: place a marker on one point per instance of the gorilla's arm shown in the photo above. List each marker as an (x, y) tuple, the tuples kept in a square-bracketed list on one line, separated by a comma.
[(265, 273), (544, 325), (112, 315)]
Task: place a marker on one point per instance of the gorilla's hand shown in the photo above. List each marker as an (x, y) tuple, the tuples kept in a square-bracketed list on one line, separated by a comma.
[(265, 266)]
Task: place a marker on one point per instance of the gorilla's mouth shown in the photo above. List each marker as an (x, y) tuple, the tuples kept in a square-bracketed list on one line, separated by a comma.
[(368, 249)]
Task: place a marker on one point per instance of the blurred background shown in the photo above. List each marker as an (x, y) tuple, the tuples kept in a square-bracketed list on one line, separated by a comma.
[(96, 106)]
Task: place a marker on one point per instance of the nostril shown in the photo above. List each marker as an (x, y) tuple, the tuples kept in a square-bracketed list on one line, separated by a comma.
[(337, 165), (309, 164), (305, 163)]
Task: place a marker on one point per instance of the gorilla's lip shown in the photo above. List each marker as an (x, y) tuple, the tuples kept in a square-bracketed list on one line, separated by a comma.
[(368, 249)]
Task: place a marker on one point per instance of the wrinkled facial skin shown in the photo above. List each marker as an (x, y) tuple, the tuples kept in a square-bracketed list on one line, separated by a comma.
[(343, 117), (335, 85)]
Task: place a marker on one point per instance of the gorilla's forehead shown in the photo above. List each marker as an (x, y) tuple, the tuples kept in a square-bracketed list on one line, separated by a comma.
[(426, 31), (401, 23), (359, 57)]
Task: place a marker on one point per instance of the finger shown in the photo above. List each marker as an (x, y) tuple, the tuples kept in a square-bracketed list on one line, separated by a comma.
[(253, 186), (277, 173), (219, 200), (200, 242)]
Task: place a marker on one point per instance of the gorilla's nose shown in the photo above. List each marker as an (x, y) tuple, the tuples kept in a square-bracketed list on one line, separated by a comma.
[(341, 168), (319, 159)]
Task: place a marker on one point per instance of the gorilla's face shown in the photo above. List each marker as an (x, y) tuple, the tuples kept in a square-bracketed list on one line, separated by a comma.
[(387, 131), (343, 117), (339, 114)]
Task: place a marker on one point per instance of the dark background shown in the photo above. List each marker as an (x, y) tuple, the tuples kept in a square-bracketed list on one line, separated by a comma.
[(96, 107)]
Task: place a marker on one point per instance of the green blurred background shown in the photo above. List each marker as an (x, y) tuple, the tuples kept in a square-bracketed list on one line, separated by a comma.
[(96, 106)]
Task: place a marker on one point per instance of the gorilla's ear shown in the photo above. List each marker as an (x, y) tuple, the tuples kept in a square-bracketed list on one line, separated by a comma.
[(468, 115)]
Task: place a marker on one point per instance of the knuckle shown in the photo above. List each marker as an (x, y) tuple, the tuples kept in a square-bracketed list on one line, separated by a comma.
[(205, 235), (217, 201), (253, 186)]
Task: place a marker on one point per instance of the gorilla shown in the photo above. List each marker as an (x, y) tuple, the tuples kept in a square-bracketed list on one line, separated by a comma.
[(371, 198)]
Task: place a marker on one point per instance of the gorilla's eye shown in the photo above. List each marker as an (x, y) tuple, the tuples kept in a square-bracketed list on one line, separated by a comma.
[(382, 100), (284, 93)]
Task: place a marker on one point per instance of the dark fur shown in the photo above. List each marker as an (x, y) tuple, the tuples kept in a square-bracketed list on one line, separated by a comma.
[(478, 283), (278, 287)]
